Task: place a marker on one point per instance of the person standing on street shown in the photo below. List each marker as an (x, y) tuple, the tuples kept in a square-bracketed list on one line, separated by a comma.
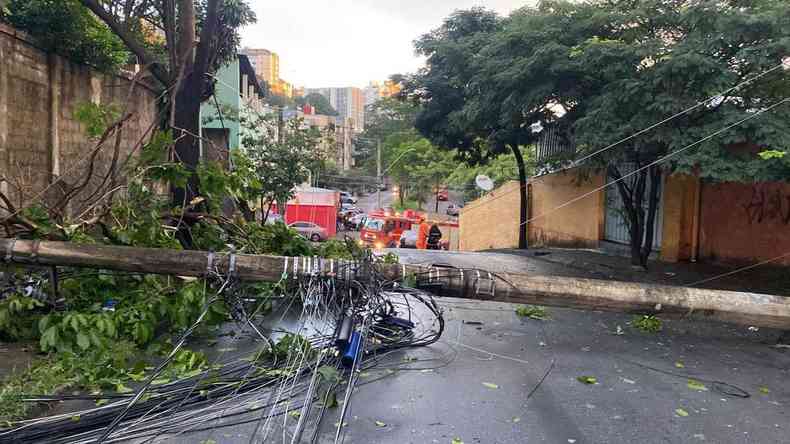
[(422, 234)]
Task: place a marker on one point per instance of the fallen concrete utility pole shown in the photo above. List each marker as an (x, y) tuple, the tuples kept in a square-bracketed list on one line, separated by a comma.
[(589, 294)]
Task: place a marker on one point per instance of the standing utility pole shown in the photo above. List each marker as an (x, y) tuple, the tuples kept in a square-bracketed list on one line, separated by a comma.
[(436, 196), (378, 173)]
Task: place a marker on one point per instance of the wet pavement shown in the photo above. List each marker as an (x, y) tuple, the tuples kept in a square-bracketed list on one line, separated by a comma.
[(481, 383), (497, 378)]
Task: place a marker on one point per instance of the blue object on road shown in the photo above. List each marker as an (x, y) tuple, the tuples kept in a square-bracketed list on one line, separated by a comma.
[(352, 351)]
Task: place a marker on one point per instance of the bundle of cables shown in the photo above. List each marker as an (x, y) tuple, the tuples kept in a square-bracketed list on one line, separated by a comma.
[(353, 322)]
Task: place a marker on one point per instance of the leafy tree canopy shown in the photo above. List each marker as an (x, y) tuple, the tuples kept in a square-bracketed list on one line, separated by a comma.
[(67, 28), (384, 118)]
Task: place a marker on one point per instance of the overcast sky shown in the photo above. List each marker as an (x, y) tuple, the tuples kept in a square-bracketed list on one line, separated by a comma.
[(349, 42)]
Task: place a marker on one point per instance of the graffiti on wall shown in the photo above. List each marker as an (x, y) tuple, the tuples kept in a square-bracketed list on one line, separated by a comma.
[(768, 204)]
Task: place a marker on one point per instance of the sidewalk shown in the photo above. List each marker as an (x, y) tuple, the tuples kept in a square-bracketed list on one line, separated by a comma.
[(598, 265)]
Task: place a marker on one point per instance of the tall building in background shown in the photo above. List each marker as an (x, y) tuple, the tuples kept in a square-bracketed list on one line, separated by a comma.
[(376, 91), (372, 92), (266, 64), (349, 103)]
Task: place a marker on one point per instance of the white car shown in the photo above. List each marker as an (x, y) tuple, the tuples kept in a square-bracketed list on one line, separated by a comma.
[(454, 210), (310, 231)]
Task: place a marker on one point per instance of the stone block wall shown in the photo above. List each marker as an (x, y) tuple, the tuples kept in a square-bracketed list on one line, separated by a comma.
[(42, 145)]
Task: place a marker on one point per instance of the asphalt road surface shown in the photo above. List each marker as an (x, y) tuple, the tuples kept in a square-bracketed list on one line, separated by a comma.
[(368, 203), (497, 378)]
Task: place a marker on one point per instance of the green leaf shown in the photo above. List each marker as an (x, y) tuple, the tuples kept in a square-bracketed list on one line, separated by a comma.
[(681, 412), (49, 339), (587, 379), (532, 312), (491, 385), (679, 364), (456, 441), (696, 385), (381, 424), (83, 341), (120, 388), (764, 390)]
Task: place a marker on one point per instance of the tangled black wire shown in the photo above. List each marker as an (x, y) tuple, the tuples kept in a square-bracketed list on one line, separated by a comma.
[(279, 378)]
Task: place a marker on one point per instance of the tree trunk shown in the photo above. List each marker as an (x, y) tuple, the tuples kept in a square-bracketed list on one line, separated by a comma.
[(246, 211), (187, 128), (522, 184), (655, 181)]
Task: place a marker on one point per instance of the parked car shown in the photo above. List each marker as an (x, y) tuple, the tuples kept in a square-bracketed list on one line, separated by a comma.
[(349, 208), (442, 194), (357, 221), (310, 231), (454, 210), (347, 198), (408, 239)]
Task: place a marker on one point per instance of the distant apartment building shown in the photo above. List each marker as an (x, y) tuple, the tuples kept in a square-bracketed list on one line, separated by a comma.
[(349, 103), (266, 64), (282, 88), (379, 90)]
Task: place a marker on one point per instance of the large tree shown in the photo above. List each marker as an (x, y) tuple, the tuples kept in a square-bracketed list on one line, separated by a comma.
[(384, 118), (450, 114), (67, 28), (599, 72), (603, 71), (199, 37)]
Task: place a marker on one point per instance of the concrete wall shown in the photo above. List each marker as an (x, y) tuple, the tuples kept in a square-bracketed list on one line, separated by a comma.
[(491, 221), (578, 225), (40, 139), (745, 223)]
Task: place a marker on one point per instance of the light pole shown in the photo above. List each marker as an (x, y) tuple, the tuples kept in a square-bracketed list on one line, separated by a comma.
[(379, 181), (382, 173)]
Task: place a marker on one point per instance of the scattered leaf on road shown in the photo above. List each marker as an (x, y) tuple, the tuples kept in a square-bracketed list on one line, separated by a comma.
[(457, 441), (516, 419), (764, 390), (587, 379), (381, 424), (696, 385), (679, 364), (295, 413), (532, 312), (491, 385), (337, 424), (681, 412)]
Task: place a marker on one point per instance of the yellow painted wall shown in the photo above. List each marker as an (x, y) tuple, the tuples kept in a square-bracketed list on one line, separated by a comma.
[(491, 221), (678, 207), (577, 225)]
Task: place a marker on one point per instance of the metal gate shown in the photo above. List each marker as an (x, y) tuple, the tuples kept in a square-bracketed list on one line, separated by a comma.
[(616, 222)]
